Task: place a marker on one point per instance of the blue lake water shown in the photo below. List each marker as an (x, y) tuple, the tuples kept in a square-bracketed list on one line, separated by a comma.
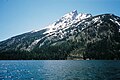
[(59, 70)]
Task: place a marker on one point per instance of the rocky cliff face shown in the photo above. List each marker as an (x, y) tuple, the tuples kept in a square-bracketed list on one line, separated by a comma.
[(74, 35)]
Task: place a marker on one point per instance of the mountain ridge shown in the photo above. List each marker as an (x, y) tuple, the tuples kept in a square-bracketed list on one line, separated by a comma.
[(74, 35)]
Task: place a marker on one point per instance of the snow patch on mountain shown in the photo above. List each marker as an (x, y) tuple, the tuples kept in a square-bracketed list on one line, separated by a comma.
[(96, 19), (115, 21), (33, 44), (34, 31), (82, 16)]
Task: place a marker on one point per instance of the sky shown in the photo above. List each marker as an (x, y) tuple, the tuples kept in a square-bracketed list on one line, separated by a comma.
[(21, 16)]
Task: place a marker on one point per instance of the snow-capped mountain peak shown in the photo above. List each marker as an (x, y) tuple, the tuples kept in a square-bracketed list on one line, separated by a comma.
[(67, 20), (71, 15)]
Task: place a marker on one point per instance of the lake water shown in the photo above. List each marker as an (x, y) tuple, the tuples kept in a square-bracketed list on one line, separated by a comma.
[(60, 70)]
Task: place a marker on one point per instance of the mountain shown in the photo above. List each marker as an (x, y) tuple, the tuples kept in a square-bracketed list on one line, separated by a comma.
[(73, 36)]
